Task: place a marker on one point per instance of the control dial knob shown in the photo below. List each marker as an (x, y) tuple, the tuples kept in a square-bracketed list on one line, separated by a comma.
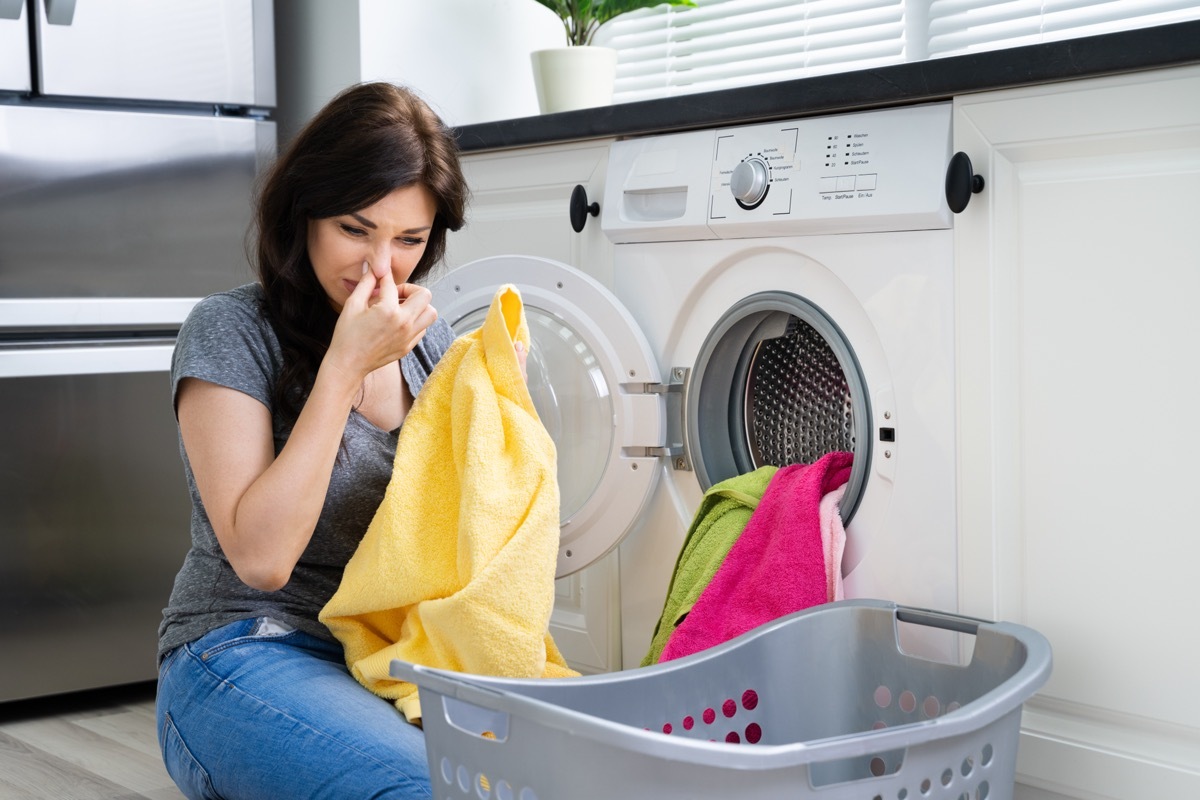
[(750, 181)]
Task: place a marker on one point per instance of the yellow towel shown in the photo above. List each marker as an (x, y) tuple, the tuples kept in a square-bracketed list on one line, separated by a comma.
[(457, 568)]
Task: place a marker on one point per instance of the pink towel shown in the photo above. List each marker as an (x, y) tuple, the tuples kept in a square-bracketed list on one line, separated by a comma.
[(776, 567)]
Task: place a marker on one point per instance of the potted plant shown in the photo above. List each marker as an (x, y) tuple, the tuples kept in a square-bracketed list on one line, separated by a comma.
[(581, 75)]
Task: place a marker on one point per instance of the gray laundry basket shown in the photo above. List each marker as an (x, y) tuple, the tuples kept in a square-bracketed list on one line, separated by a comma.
[(819, 704)]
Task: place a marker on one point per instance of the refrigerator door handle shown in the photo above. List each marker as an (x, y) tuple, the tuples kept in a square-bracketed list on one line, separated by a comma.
[(30, 362), (60, 12)]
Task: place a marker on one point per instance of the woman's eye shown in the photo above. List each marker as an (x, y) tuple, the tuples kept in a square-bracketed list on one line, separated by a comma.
[(412, 241), (350, 229)]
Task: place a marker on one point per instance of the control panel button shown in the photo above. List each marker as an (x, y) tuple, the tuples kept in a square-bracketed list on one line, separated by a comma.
[(865, 183), (845, 183)]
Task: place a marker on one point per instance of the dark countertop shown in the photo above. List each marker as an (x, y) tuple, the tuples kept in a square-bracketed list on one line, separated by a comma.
[(936, 79)]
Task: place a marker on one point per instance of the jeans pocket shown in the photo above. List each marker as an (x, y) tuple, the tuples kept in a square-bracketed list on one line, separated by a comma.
[(191, 778), (247, 631)]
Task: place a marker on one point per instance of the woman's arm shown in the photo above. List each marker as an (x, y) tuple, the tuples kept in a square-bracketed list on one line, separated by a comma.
[(264, 508)]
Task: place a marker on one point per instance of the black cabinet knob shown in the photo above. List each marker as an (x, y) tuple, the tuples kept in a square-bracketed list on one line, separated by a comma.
[(580, 208), (961, 182)]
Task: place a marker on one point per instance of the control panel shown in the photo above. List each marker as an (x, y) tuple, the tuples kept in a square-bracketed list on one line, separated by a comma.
[(863, 171)]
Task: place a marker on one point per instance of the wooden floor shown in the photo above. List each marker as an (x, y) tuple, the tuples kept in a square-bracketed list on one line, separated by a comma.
[(88, 746)]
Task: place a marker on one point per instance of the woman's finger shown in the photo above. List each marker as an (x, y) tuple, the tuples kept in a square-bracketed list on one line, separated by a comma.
[(362, 292), (388, 293)]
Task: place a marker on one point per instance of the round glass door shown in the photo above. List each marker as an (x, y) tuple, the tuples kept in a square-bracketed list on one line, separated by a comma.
[(572, 399), (592, 379)]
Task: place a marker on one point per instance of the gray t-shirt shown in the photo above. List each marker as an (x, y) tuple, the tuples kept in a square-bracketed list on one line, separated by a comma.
[(227, 340)]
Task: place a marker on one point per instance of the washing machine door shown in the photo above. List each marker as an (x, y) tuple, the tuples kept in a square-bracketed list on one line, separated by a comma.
[(594, 383)]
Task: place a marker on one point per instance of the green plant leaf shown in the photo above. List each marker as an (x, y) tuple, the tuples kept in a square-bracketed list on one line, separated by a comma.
[(582, 18)]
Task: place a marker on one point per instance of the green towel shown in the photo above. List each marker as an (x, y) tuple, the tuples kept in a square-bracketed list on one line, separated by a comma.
[(722, 515)]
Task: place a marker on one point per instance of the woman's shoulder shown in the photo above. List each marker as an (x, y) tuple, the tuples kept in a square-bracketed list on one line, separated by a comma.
[(244, 302), (223, 313), (228, 320)]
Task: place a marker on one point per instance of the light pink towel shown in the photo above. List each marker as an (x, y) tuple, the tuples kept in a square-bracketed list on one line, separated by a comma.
[(776, 567), (833, 541)]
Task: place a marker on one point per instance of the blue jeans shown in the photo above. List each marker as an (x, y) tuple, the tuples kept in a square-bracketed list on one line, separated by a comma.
[(278, 715)]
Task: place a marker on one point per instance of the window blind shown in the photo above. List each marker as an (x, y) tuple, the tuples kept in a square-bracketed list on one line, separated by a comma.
[(719, 44), (723, 43), (965, 26)]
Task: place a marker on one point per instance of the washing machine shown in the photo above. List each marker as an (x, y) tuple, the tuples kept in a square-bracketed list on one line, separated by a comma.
[(780, 290)]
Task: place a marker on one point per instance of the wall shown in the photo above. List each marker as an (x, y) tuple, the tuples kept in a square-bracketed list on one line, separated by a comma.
[(468, 58)]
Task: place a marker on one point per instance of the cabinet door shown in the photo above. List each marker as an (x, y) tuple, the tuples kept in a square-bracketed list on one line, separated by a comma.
[(1077, 270), (520, 206)]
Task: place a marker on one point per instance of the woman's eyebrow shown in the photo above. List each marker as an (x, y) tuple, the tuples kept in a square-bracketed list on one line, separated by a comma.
[(367, 223)]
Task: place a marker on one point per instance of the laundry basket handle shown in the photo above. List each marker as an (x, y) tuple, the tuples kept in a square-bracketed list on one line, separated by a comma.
[(940, 619)]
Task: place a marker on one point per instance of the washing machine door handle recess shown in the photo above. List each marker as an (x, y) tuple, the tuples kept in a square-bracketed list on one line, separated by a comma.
[(596, 387)]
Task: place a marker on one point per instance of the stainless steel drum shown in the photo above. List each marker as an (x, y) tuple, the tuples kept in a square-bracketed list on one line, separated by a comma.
[(776, 382)]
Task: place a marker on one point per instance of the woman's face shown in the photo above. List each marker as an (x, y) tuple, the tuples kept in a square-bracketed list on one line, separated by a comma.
[(391, 234)]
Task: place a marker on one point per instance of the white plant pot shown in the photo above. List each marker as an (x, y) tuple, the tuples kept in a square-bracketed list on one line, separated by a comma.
[(574, 77)]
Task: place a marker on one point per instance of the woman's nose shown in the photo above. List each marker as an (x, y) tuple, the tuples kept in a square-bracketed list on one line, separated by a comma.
[(381, 259)]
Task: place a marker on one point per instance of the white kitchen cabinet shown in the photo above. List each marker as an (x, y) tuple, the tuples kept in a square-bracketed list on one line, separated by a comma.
[(520, 202), (1077, 278)]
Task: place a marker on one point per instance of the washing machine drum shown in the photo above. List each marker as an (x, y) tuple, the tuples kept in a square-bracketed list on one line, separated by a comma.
[(777, 383)]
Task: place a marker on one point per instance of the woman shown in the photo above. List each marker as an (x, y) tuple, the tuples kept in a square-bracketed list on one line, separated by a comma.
[(289, 394)]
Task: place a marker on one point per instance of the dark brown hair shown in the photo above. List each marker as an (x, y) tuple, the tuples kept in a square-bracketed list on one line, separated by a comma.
[(368, 141)]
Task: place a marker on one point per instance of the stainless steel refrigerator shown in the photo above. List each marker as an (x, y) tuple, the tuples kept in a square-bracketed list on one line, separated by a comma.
[(131, 134)]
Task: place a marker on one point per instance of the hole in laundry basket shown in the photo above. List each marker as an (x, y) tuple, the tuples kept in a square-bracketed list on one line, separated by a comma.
[(982, 792), (504, 790), (688, 723), (753, 733), (749, 699), (733, 738), (447, 770), (878, 766), (908, 701), (987, 755), (483, 788), (947, 776), (709, 716), (528, 794), (667, 727), (931, 707), (967, 766), (964, 796), (878, 726), (729, 707), (926, 785), (902, 794), (953, 705), (464, 778), (883, 697)]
